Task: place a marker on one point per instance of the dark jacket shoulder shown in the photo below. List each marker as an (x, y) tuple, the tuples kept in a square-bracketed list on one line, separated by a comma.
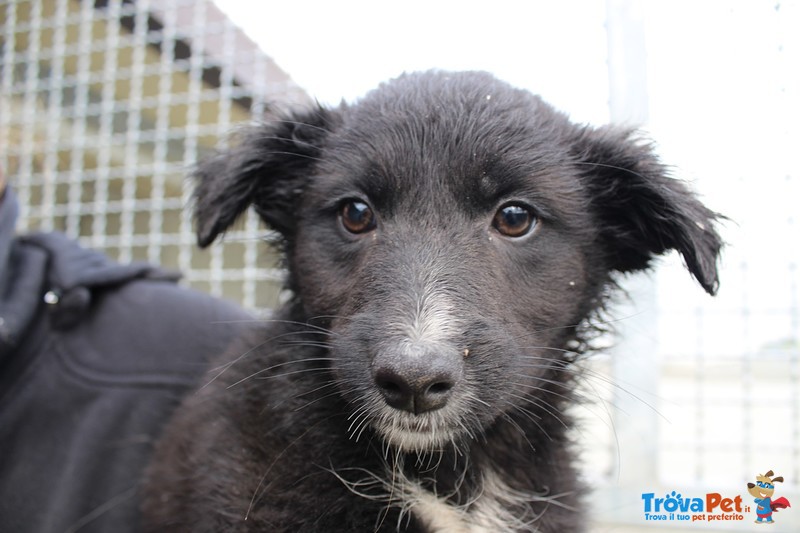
[(89, 379)]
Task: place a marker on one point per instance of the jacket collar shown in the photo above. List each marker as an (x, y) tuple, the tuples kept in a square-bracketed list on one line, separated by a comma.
[(50, 269)]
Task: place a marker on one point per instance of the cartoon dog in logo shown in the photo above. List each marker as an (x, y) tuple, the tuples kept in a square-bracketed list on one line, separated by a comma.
[(762, 490)]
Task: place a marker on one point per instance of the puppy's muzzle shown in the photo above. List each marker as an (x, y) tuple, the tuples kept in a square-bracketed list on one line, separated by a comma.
[(417, 379)]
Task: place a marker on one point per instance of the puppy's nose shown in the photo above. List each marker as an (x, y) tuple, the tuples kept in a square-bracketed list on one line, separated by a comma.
[(416, 384)]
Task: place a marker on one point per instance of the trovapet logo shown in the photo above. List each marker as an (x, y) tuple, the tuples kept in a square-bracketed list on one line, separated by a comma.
[(713, 506)]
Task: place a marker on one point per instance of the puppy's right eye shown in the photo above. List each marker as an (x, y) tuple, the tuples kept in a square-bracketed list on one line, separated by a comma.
[(514, 220), (357, 217)]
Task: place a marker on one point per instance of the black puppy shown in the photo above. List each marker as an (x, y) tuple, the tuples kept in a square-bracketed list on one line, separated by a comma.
[(449, 241)]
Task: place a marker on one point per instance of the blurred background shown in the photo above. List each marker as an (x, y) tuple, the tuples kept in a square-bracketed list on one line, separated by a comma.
[(104, 104)]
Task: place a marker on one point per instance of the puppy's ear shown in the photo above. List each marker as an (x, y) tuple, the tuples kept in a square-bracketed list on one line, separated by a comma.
[(269, 168), (642, 211)]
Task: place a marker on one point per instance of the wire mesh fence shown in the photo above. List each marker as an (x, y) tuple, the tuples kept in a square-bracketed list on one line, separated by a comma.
[(105, 105)]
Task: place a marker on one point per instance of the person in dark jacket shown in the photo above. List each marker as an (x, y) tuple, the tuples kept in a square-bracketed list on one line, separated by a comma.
[(94, 357)]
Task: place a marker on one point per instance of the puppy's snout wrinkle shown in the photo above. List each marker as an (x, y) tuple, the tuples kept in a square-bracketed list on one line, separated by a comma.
[(417, 382)]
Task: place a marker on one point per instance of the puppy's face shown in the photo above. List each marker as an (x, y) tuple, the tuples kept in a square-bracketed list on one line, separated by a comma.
[(453, 251), (453, 233)]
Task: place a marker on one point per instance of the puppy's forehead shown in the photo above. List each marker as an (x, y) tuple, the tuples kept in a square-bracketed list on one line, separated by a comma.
[(465, 143)]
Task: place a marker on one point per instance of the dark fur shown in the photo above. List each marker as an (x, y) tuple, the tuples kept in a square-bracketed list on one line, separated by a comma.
[(285, 436)]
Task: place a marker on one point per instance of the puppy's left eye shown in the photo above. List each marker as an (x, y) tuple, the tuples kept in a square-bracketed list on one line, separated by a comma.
[(514, 220), (357, 217)]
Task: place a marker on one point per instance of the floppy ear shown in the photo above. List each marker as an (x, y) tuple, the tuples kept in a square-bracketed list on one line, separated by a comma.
[(642, 211), (269, 168)]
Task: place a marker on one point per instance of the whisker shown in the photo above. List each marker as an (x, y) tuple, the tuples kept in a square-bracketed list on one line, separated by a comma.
[(292, 373), (298, 323), (228, 365), (595, 322), (277, 458), (279, 365), (321, 398), (583, 373), (514, 424), (541, 405), (310, 344), (330, 383)]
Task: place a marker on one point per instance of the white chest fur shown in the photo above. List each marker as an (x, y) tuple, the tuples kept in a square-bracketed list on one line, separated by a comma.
[(496, 510)]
